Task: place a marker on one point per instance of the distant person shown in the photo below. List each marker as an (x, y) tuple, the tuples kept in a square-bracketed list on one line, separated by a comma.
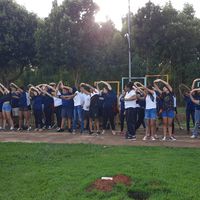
[(131, 113)]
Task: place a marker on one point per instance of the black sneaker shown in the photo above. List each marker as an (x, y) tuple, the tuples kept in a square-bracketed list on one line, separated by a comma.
[(70, 130), (132, 138), (60, 130)]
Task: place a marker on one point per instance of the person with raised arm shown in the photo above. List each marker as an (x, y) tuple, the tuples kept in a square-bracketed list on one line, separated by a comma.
[(48, 104), (6, 108), (86, 107), (94, 108), (189, 106), (109, 105), (67, 107), (150, 111), (167, 97), (131, 114), (57, 102), (195, 97), (15, 105), (24, 108), (37, 100)]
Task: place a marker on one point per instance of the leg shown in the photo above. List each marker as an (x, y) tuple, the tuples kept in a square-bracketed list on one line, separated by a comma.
[(1, 120), (170, 122), (165, 126), (153, 127), (10, 121), (75, 118), (4, 120), (187, 112)]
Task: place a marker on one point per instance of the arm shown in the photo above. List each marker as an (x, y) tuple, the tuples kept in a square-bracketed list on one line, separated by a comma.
[(50, 87), (107, 84), (167, 84), (68, 88), (156, 86), (192, 98), (193, 84), (92, 88), (5, 90), (134, 97)]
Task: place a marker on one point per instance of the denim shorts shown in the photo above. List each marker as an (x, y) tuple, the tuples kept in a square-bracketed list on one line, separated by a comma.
[(151, 113), (197, 115), (168, 114), (6, 107), (66, 112)]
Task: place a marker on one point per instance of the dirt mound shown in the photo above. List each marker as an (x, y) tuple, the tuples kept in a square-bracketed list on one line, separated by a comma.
[(107, 185)]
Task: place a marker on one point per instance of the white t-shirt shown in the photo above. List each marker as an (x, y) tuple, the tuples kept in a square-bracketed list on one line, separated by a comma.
[(78, 99), (175, 102), (86, 102), (28, 99), (130, 104), (57, 101), (149, 103)]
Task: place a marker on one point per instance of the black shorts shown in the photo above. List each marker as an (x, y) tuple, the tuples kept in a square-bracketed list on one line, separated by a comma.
[(94, 113), (176, 111), (86, 114), (23, 109), (29, 108)]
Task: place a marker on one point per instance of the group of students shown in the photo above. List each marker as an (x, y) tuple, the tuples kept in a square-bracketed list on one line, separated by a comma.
[(92, 109)]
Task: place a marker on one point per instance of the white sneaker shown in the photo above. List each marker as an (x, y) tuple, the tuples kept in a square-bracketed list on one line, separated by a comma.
[(144, 138), (113, 132), (172, 138), (74, 132), (164, 139), (11, 128), (103, 132), (193, 136), (153, 138), (29, 128)]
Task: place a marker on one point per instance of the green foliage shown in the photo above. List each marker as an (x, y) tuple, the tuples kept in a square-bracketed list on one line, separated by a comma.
[(52, 171), (17, 43)]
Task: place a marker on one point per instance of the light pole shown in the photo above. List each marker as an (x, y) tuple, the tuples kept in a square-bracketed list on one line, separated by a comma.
[(128, 35)]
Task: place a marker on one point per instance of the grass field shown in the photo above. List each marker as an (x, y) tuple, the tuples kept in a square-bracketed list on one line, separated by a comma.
[(63, 172)]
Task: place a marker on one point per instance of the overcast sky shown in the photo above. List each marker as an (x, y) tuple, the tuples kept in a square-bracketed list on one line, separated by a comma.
[(113, 9)]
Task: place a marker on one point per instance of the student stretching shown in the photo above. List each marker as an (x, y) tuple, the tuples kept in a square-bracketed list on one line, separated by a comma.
[(94, 108), (67, 108), (6, 108), (195, 97), (150, 112), (23, 104), (167, 108), (109, 103), (36, 97), (130, 107)]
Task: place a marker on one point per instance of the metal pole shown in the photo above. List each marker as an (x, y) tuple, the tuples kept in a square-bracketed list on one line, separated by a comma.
[(129, 40)]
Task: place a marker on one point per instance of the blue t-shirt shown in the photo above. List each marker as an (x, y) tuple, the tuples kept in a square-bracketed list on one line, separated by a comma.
[(47, 101), (122, 105), (23, 100), (15, 100), (37, 102), (67, 103), (189, 104), (110, 100), (197, 106)]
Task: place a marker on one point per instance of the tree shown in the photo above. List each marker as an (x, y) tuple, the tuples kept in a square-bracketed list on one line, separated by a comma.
[(70, 37), (17, 42)]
